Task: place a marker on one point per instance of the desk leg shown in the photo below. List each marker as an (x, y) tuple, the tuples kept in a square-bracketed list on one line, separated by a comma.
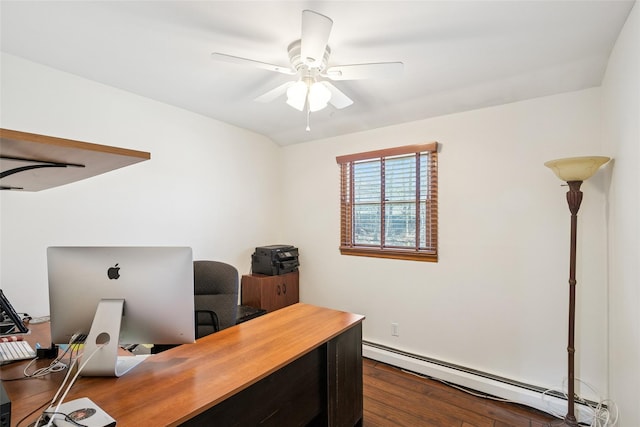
[(344, 379)]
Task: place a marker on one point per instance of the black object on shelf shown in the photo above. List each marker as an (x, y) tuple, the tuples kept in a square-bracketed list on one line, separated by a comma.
[(274, 260), (246, 312)]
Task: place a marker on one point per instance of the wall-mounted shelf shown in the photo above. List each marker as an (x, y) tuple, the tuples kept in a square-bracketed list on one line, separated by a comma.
[(33, 162)]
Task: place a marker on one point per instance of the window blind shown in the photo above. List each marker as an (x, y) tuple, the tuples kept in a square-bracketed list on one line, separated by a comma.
[(388, 203)]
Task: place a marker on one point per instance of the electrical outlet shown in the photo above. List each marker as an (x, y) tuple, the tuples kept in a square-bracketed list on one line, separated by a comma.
[(395, 329)]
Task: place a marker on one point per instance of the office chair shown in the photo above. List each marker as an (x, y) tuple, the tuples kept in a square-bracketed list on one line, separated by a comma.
[(216, 296)]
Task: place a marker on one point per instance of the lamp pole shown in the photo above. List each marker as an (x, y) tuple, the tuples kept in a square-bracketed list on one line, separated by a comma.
[(573, 170), (574, 199)]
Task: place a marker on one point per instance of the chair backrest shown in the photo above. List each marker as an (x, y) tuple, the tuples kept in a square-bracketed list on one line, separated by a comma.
[(215, 289)]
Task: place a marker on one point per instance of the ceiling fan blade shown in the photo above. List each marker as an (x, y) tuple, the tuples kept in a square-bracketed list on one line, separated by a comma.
[(274, 93), (379, 70), (315, 36), (338, 98), (244, 61)]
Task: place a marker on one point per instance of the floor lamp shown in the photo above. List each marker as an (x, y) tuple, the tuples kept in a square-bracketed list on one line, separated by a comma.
[(573, 171)]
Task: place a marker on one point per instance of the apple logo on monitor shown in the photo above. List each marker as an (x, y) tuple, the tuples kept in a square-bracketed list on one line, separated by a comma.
[(113, 272)]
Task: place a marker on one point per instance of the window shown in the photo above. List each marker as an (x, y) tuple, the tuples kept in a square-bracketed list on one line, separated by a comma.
[(389, 203)]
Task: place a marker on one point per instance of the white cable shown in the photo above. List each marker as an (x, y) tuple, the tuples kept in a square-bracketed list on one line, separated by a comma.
[(600, 413), (55, 366), (72, 362), (37, 423), (73, 380), (457, 387)]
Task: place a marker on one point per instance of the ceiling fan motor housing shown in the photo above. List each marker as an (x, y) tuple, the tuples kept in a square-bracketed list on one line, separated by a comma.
[(297, 62)]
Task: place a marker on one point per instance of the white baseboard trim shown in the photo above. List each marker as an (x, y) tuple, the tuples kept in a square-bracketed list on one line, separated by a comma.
[(504, 388)]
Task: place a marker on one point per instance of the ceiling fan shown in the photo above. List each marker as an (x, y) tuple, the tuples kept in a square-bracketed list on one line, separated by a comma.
[(309, 58)]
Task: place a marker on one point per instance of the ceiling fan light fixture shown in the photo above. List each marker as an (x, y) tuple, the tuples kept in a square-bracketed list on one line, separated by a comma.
[(319, 96), (309, 60), (297, 95)]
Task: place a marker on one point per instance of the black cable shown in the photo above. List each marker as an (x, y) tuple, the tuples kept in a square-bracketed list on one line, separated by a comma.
[(31, 413), (66, 417), (18, 379)]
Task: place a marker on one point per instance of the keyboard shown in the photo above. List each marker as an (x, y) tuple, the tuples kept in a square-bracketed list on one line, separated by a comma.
[(15, 350)]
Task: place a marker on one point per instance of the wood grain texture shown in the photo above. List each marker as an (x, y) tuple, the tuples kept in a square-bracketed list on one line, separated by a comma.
[(171, 387), (270, 292), (393, 398)]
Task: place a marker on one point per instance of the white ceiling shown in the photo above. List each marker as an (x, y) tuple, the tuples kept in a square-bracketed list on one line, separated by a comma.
[(457, 55)]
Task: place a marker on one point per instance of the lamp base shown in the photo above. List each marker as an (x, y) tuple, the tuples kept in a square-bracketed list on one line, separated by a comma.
[(564, 423)]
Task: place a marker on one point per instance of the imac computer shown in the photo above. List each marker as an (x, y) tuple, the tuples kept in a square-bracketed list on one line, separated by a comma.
[(117, 296)]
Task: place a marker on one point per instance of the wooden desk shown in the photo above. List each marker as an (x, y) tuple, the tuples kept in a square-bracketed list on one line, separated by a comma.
[(301, 365)]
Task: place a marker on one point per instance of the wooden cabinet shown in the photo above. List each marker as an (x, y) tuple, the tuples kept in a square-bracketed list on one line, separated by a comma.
[(270, 292)]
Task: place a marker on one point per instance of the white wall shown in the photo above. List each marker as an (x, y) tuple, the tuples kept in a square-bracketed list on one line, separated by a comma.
[(208, 185), (621, 107), (497, 299)]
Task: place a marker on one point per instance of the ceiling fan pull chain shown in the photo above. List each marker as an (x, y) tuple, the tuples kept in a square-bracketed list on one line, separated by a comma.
[(308, 129)]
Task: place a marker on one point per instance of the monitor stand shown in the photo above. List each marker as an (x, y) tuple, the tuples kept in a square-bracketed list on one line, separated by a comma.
[(15, 322), (100, 357)]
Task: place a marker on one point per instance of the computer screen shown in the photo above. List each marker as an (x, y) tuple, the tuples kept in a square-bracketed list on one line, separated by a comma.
[(120, 295)]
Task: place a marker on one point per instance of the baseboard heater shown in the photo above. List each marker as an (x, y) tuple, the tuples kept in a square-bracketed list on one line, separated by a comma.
[(493, 385)]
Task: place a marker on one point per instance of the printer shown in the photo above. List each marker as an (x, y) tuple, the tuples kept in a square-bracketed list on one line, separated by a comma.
[(274, 259)]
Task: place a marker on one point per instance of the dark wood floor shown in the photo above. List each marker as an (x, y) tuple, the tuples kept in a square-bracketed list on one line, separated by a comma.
[(396, 398)]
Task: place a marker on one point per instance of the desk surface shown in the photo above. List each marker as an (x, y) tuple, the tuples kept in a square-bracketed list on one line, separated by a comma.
[(174, 386)]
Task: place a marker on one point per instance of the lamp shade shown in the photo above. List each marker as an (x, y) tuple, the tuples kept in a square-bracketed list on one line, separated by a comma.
[(576, 168), (297, 95), (319, 96)]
